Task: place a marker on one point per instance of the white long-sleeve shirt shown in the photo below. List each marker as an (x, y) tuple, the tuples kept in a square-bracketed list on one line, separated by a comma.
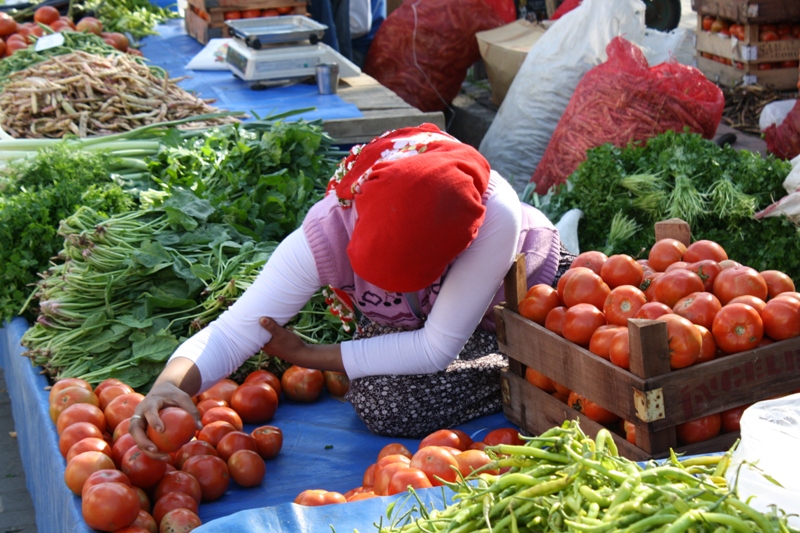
[(290, 278)]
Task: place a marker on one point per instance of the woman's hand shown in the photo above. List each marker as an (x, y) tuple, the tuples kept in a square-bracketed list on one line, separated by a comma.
[(291, 348), (160, 396)]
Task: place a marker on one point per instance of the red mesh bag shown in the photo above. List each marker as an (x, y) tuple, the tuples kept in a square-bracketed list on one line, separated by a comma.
[(423, 49), (784, 140), (623, 101)]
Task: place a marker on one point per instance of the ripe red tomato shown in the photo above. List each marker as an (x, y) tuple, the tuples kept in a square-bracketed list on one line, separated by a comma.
[(619, 350), (337, 383), (222, 390), (89, 25), (440, 437), (213, 432), (178, 481), (599, 344), (212, 474), (84, 465), (173, 500), (251, 13), (317, 497), (110, 392), (255, 402), (699, 308), (267, 377), (580, 322), (225, 414), (77, 432), (781, 318), (46, 14), (233, 15), (676, 265), (538, 302), (555, 320), (503, 436), (753, 301), (123, 444), (246, 468), (233, 441), (591, 410), (584, 287), (105, 476), (777, 282), (144, 523), (708, 271), (89, 444), (708, 351), (676, 284), (736, 281), (269, 440), (302, 384), (141, 469), (704, 249), (621, 270), (105, 384), (110, 506), (700, 429), (736, 328), (120, 408), (179, 521), (438, 464), (730, 418), (630, 431), (708, 20), (795, 295), (179, 428), (405, 478), (719, 25), (592, 260), (394, 448), (81, 412), (649, 284), (471, 460), (622, 303), (464, 440), (665, 252), (192, 448), (68, 396), (538, 379), (652, 310), (685, 341), (210, 403)]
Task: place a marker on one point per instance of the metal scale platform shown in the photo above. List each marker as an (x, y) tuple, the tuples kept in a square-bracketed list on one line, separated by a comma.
[(274, 50)]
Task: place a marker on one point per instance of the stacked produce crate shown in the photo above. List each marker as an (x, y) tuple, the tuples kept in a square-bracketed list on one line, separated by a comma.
[(744, 42), (650, 396), (205, 19)]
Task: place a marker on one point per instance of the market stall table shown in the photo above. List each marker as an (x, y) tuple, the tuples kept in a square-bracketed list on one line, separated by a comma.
[(361, 110), (325, 446)]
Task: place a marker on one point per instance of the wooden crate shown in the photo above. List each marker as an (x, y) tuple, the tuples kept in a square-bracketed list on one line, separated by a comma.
[(784, 79), (750, 11), (651, 396), (201, 29), (215, 14), (749, 50)]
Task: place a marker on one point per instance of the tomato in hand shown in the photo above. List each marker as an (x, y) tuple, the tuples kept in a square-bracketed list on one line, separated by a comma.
[(592, 260), (781, 318), (736, 328), (538, 302), (685, 341), (302, 384), (622, 303), (591, 410), (255, 403), (665, 252), (736, 281), (698, 430), (621, 270), (704, 250), (580, 322), (179, 428), (699, 308), (110, 506), (246, 468), (269, 440)]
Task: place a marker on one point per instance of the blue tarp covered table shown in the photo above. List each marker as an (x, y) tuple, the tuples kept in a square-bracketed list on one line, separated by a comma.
[(325, 446)]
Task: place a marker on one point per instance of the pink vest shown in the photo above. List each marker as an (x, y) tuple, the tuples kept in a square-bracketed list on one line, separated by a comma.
[(328, 228)]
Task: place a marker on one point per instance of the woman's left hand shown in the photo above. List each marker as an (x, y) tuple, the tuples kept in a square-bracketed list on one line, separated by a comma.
[(292, 349)]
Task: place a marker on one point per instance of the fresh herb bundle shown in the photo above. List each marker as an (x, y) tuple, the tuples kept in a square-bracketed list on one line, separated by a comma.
[(683, 175)]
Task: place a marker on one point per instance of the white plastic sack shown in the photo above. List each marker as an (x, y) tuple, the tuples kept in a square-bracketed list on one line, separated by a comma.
[(540, 92), (659, 47), (774, 113), (568, 230), (792, 181), (770, 439)]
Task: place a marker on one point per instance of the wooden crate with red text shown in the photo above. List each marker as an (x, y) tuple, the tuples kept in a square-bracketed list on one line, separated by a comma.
[(651, 396)]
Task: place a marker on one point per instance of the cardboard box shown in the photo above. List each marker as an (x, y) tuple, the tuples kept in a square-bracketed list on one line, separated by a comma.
[(503, 50)]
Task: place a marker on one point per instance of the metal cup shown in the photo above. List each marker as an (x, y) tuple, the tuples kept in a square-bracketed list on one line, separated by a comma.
[(327, 78)]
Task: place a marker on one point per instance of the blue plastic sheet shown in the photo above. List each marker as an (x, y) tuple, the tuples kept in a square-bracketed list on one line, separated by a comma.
[(172, 50), (326, 446)]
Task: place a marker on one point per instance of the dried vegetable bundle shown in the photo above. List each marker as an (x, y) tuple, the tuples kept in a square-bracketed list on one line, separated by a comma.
[(86, 94)]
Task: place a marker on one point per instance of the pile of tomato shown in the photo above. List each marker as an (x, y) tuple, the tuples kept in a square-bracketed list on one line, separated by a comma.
[(713, 307), (440, 458), (766, 33), (117, 482), (236, 14), (15, 36)]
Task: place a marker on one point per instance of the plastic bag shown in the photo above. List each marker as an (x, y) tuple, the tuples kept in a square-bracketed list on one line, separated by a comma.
[(623, 101), (770, 438), (774, 113), (784, 140), (536, 99), (423, 49)]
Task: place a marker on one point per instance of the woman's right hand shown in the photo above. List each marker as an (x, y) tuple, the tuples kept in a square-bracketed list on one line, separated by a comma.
[(146, 414)]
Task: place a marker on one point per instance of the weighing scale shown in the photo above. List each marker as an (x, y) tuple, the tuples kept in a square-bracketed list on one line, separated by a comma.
[(270, 50)]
